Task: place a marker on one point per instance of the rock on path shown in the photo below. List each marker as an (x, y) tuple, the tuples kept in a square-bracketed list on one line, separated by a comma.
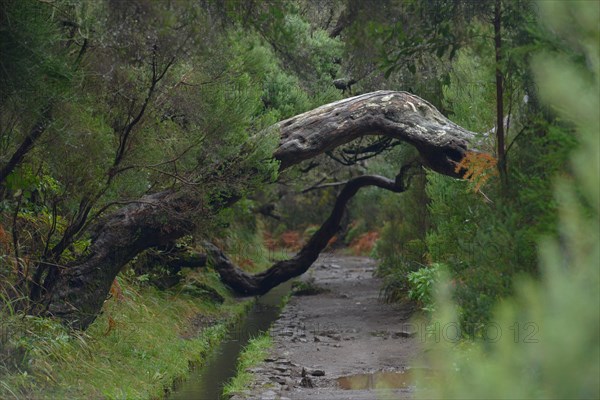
[(342, 331)]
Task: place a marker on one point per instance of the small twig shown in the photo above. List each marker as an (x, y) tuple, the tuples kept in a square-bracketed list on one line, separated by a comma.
[(310, 166), (487, 199), (15, 237), (52, 227), (324, 185), (515, 139)]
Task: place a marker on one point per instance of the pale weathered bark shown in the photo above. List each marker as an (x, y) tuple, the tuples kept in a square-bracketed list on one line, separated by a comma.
[(77, 293), (399, 115)]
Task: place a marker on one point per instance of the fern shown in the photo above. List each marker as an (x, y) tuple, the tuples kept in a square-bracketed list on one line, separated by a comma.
[(478, 168)]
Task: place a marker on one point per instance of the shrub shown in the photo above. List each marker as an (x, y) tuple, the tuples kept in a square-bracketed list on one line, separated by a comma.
[(291, 240), (364, 244), (422, 283), (548, 346)]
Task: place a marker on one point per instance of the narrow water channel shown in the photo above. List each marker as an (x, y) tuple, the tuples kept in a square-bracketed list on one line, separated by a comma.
[(206, 383)]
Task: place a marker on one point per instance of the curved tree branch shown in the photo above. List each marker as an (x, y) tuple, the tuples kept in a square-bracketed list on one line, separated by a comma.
[(398, 115), (244, 283)]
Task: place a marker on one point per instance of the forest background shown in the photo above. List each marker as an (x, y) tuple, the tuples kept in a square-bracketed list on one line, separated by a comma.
[(103, 102)]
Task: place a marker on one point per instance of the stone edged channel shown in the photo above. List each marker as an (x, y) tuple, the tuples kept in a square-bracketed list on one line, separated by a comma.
[(206, 382)]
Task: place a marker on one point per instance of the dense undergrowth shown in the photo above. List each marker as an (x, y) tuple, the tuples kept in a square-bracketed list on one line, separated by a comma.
[(82, 76), (146, 338), (133, 98), (143, 342), (543, 341), (483, 230)]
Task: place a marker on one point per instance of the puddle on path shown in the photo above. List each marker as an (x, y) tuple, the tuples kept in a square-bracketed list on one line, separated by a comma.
[(381, 380)]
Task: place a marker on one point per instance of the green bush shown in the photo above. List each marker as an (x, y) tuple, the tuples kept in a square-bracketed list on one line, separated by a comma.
[(401, 247), (422, 283), (488, 237)]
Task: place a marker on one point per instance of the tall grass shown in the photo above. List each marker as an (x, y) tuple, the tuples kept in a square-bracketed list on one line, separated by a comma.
[(137, 348), (254, 353)]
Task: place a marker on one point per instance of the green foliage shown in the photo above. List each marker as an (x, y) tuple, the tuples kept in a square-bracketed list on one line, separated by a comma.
[(426, 28), (87, 139), (307, 287), (231, 69), (321, 51), (466, 239), (138, 348), (34, 58), (150, 96), (488, 236), (253, 354), (487, 244), (469, 95), (241, 234), (548, 346), (403, 224), (422, 283), (485, 235)]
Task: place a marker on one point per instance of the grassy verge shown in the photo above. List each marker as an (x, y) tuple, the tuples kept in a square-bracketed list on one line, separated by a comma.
[(254, 353), (144, 341), (307, 287)]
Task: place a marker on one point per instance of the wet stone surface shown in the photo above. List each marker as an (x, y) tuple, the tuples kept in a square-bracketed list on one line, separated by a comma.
[(342, 343)]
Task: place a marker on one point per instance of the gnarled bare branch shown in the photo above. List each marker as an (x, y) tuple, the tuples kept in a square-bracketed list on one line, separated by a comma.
[(398, 115), (247, 284)]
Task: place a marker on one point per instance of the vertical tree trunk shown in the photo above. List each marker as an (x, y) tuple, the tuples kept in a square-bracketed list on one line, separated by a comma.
[(500, 146)]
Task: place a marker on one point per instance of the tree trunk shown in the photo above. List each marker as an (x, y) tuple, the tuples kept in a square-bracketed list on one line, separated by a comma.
[(77, 293), (440, 142), (500, 146)]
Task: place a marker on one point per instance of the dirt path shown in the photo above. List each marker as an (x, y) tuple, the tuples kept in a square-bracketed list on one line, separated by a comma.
[(341, 332)]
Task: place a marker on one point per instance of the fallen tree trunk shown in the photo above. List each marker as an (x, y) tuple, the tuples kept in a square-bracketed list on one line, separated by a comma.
[(76, 292)]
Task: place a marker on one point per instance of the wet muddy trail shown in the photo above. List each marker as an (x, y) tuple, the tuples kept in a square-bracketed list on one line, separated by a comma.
[(341, 343)]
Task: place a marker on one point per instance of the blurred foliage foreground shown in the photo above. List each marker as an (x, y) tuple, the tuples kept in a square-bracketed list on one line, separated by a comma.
[(544, 342)]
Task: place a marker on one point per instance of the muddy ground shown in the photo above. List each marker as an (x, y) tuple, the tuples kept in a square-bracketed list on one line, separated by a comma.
[(344, 331)]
